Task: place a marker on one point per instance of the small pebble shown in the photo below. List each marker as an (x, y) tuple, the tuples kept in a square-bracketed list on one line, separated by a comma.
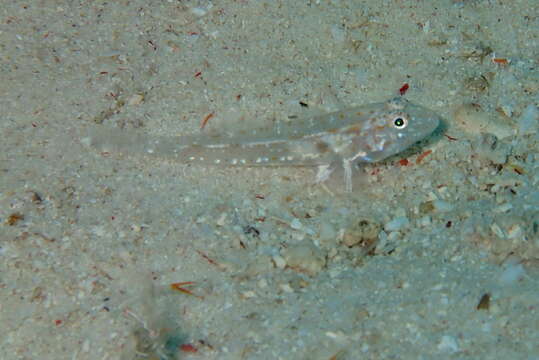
[(296, 224), (515, 231), (286, 288), (135, 99), (507, 109), (262, 283), (199, 11), (397, 223), (362, 233), (503, 208), (424, 221), (279, 261), (442, 206), (327, 232), (305, 258), (248, 294), (512, 273), (338, 33), (448, 344), (497, 230), (221, 220), (528, 122)]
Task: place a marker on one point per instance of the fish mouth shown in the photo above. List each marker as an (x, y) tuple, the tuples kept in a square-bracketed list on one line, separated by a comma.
[(428, 124), (433, 124), (430, 121)]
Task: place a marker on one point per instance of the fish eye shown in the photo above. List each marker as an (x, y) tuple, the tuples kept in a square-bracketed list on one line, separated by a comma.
[(400, 122)]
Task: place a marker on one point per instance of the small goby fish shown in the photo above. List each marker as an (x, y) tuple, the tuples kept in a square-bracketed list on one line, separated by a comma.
[(367, 133)]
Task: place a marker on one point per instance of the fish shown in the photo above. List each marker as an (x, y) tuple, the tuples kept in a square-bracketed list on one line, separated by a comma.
[(362, 134)]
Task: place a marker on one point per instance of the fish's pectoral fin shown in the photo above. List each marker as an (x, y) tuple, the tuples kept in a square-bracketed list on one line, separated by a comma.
[(323, 173)]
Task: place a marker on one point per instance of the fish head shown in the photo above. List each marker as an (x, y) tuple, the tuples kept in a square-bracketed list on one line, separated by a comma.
[(396, 126)]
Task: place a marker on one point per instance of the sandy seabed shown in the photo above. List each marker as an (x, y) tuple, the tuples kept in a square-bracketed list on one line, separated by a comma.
[(433, 256)]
